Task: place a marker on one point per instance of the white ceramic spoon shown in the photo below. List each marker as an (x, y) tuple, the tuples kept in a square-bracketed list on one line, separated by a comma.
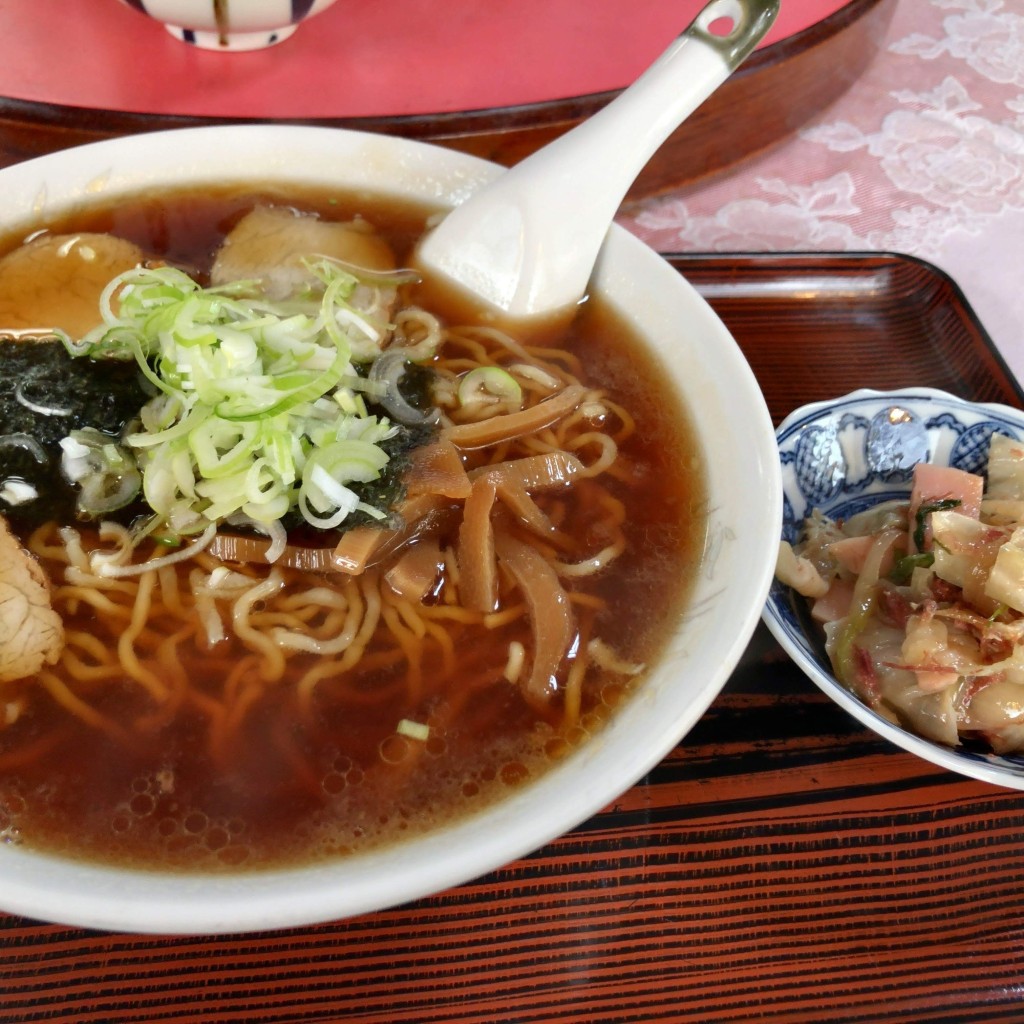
[(527, 242)]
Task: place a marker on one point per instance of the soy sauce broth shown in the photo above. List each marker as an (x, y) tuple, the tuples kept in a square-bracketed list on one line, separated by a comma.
[(289, 784)]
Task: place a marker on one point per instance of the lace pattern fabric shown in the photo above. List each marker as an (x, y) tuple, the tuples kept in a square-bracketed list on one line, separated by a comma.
[(924, 155)]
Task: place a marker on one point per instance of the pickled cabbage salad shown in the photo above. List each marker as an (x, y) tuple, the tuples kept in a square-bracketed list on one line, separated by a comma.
[(922, 601)]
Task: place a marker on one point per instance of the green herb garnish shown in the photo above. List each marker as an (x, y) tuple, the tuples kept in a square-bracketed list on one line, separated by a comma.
[(942, 505), (905, 566)]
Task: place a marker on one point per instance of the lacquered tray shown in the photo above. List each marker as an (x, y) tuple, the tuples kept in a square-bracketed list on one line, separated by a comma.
[(781, 864)]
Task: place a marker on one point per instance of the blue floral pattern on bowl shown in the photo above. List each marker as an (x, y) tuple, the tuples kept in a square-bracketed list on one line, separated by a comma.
[(844, 456)]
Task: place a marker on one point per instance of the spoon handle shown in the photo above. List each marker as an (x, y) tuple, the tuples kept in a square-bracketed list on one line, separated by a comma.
[(527, 242)]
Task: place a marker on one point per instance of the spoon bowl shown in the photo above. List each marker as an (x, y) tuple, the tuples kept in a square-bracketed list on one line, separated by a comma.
[(526, 244)]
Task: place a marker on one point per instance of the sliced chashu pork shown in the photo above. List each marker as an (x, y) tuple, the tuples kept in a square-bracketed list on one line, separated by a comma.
[(269, 244), (31, 632), (57, 280)]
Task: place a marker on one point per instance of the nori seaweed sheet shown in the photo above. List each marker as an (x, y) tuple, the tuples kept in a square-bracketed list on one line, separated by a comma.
[(107, 394), (103, 394)]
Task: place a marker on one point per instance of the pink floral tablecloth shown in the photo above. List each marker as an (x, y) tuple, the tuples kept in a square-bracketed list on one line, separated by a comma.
[(924, 155)]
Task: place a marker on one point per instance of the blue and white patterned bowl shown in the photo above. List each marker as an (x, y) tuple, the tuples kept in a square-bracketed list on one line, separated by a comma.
[(845, 455)]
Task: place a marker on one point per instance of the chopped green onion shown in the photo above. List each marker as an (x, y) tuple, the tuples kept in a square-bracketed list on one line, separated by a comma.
[(489, 384), (414, 730), (845, 656), (259, 411), (905, 566), (105, 473), (926, 510)]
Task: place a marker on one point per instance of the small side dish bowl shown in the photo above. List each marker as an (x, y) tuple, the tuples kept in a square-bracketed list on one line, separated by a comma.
[(693, 351), (230, 27), (846, 455)]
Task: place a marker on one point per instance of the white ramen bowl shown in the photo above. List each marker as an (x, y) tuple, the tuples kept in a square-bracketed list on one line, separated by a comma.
[(848, 454), (735, 433)]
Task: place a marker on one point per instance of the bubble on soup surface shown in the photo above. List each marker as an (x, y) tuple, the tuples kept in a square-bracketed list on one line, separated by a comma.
[(14, 803), (142, 805), (10, 807), (233, 856), (216, 838), (121, 822), (333, 783), (394, 749), (196, 822), (612, 694)]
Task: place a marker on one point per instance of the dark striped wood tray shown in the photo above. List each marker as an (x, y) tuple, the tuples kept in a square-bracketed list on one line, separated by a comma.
[(782, 864)]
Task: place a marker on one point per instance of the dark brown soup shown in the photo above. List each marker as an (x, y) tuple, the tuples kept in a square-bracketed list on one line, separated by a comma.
[(147, 744)]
